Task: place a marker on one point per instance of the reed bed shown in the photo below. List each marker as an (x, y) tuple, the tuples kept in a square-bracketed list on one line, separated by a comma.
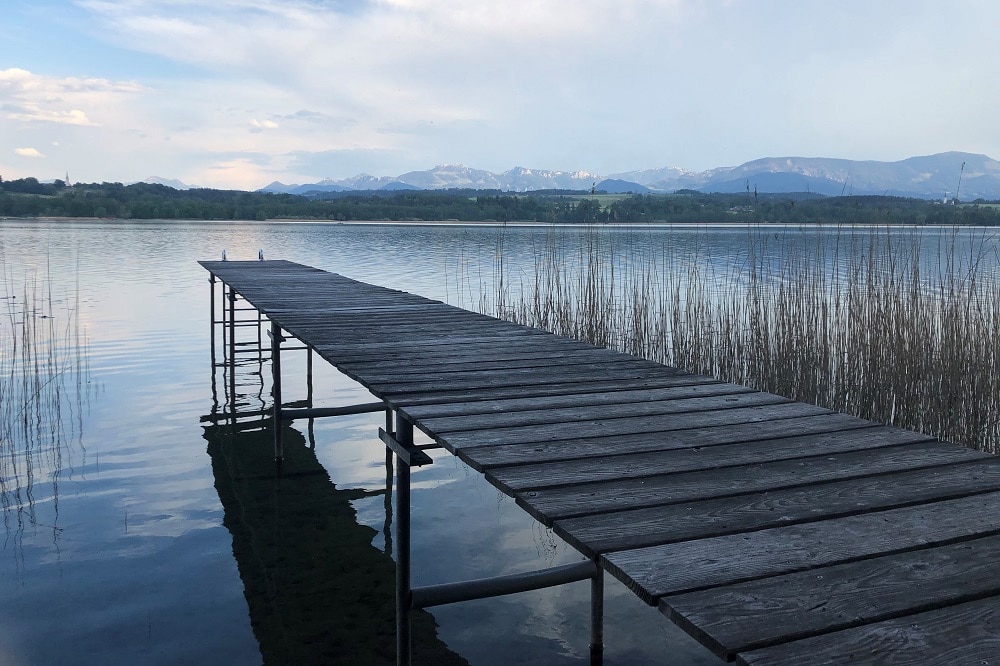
[(44, 378), (888, 324)]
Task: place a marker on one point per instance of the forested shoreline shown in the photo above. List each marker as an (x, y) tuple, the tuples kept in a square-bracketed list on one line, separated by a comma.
[(30, 198)]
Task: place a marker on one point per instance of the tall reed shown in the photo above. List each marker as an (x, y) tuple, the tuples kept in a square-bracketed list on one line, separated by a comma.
[(44, 376), (883, 323)]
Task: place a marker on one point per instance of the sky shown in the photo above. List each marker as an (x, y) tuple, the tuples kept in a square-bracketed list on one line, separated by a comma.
[(240, 93)]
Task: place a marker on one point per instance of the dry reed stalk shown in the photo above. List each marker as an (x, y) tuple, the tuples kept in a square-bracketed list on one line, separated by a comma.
[(43, 393), (868, 321)]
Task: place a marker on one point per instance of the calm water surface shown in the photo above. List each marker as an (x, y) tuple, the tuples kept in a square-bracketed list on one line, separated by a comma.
[(119, 549)]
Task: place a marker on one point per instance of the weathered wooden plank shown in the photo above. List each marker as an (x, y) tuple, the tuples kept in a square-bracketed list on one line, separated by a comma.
[(508, 405), (761, 613), (428, 374), (534, 347), (413, 315), (399, 400), (483, 361), (449, 381), (649, 526), (332, 350), (371, 325), (553, 503), (522, 454), (322, 338), (647, 424), (968, 633), (654, 572), (727, 459), (445, 377), (608, 410)]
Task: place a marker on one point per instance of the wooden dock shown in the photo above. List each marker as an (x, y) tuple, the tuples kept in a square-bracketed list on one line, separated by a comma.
[(773, 532)]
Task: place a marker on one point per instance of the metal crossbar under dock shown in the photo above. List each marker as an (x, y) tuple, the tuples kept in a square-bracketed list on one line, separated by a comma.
[(773, 532)]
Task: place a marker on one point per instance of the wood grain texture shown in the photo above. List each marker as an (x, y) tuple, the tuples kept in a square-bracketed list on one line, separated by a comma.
[(769, 409), (760, 613), (600, 410), (637, 489), (431, 397), (824, 425), (636, 528), (730, 457), (562, 400), (723, 560), (968, 633)]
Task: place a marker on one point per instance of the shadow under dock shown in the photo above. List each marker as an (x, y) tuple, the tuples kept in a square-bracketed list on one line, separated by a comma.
[(317, 588)]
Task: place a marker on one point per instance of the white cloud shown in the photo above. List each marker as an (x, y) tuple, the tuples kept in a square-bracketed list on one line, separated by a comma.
[(261, 125), (391, 85), (28, 152), (29, 112), (33, 98)]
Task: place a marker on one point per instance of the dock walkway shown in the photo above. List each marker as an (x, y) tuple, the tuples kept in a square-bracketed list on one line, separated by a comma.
[(772, 531)]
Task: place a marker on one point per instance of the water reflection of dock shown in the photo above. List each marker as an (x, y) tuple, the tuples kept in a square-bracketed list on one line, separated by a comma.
[(318, 590), (771, 531)]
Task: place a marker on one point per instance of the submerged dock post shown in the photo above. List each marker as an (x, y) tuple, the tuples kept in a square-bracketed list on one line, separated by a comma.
[(404, 436)]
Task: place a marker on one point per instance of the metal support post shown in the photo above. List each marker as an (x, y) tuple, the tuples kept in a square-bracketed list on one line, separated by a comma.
[(260, 342), (387, 502), (232, 353), (597, 618), (309, 376), (225, 326), (276, 338), (211, 325), (211, 319), (403, 435)]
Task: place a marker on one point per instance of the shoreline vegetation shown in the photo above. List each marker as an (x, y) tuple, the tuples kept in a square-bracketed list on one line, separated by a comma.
[(878, 322), (28, 198)]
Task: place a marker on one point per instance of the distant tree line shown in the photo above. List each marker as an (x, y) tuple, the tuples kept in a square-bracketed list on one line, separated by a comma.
[(28, 197)]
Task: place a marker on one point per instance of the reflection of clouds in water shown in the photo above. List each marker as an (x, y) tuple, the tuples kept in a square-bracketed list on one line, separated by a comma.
[(464, 528)]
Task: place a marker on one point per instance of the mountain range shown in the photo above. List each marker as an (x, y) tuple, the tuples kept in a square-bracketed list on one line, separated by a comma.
[(944, 175)]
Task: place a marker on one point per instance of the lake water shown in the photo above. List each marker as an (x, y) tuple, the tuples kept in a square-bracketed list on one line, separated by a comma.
[(136, 534), (117, 547)]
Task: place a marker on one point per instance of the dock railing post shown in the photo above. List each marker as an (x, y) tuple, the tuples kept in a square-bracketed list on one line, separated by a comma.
[(279, 453), (404, 435)]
